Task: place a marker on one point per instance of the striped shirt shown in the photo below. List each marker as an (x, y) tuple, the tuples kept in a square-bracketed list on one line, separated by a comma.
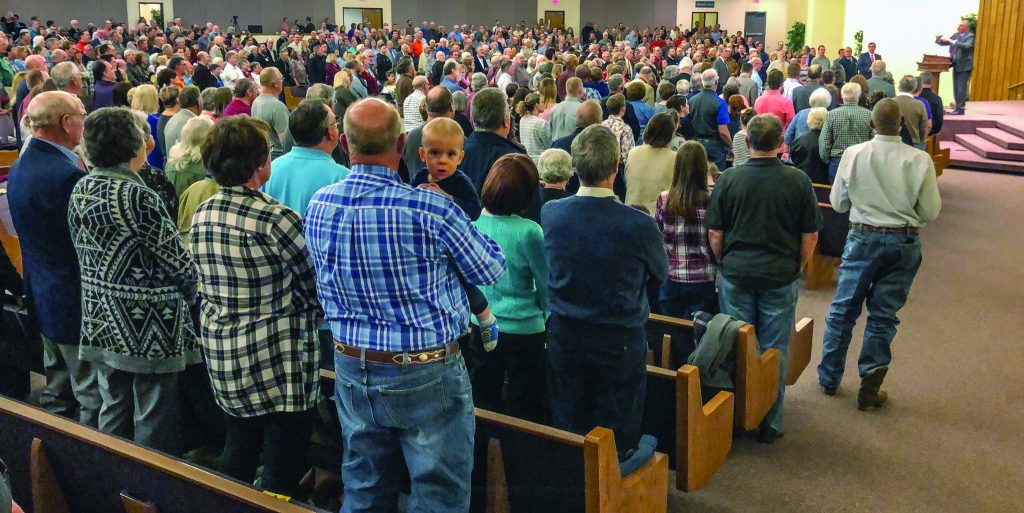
[(535, 134), (845, 126), (387, 259)]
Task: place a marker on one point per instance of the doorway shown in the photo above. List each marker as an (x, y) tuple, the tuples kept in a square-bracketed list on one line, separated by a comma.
[(703, 19), (555, 19), (754, 26), (152, 11), (357, 15)]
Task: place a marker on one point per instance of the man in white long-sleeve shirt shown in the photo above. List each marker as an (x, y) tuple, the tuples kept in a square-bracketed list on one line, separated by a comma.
[(890, 190)]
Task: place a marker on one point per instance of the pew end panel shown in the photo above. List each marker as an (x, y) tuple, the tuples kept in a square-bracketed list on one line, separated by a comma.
[(547, 469), (47, 495), (697, 437), (607, 491), (757, 379), (800, 349), (704, 431)]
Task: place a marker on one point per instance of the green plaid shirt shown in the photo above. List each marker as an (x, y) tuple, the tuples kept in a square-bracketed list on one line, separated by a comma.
[(845, 126)]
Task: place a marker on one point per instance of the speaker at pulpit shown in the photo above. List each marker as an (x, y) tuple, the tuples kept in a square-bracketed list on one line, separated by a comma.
[(935, 64)]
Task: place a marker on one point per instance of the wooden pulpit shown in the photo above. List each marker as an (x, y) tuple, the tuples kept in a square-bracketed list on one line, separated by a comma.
[(935, 64)]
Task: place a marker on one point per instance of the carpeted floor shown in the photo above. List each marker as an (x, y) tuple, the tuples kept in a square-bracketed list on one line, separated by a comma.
[(952, 437)]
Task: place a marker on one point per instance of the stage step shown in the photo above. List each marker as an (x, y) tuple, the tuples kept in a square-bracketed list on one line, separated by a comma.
[(1014, 127), (961, 157), (988, 149), (1002, 138)]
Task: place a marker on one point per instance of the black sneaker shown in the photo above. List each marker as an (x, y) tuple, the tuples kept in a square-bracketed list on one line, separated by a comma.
[(767, 435)]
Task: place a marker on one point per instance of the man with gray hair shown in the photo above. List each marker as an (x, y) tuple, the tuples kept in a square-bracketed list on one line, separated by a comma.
[(847, 125), (411, 105), (598, 295), (387, 258), (191, 102), (41, 181), (915, 116), (711, 120), (616, 84), (877, 81), (763, 223), (490, 140)]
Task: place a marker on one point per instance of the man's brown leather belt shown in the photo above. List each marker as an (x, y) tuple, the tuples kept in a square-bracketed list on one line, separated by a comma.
[(433, 355), (902, 230)]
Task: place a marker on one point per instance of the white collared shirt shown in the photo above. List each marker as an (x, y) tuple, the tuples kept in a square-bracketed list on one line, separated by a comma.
[(596, 192), (884, 182)]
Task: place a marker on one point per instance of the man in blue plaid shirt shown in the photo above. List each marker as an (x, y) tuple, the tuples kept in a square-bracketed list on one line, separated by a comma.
[(387, 259)]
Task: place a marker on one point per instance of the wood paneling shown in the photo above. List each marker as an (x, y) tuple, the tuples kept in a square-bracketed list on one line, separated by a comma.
[(998, 47)]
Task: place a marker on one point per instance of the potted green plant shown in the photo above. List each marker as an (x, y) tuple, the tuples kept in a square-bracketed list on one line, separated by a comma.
[(796, 36)]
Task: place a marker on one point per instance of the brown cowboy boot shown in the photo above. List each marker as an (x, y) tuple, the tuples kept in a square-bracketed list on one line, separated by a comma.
[(870, 396)]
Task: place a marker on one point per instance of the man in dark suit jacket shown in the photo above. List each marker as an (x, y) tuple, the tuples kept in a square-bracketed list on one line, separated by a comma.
[(490, 140), (480, 62), (802, 94), (962, 52), (865, 60), (40, 188)]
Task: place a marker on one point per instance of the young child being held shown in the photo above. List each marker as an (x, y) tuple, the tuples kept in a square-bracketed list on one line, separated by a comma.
[(441, 151)]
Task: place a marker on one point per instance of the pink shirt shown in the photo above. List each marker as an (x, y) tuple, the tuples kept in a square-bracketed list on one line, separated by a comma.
[(772, 102), (237, 107)]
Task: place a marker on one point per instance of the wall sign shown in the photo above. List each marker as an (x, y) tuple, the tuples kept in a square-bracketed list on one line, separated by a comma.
[(705, 5)]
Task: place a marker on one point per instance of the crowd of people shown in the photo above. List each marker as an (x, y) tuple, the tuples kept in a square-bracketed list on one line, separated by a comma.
[(477, 216)]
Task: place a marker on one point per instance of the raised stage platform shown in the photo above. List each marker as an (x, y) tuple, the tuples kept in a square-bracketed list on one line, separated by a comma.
[(989, 137)]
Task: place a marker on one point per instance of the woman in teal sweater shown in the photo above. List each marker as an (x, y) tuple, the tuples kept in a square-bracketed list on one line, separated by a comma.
[(519, 299)]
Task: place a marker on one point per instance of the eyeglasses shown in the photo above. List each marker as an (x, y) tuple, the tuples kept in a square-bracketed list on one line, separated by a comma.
[(83, 114)]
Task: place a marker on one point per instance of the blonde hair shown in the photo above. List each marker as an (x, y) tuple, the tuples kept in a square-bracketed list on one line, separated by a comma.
[(332, 57), (143, 98), (343, 78), (816, 118), (187, 150)]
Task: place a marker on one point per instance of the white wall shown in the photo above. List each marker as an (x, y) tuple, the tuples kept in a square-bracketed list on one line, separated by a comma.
[(731, 14), (904, 31), (340, 5)]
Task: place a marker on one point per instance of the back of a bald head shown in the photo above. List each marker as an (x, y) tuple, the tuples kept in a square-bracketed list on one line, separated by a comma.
[(35, 62), (589, 113), (886, 116), (372, 127)]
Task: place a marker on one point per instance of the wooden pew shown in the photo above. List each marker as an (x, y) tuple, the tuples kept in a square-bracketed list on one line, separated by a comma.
[(7, 157), (547, 469), (98, 473), (820, 271), (8, 237), (756, 374), (540, 468), (940, 155), (800, 349), (697, 437), (293, 96)]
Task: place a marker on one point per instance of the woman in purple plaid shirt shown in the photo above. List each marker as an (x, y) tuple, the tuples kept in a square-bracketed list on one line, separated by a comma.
[(679, 213)]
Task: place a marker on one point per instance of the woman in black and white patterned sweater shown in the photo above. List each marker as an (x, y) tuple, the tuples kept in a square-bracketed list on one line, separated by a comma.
[(137, 282)]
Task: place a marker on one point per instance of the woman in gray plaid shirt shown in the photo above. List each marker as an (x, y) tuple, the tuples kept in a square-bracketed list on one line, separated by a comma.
[(258, 311)]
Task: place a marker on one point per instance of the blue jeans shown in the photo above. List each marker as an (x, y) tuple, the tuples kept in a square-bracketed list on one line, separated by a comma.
[(772, 312), (681, 300), (716, 151), (418, 416), (833, 168), (877, 268)]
